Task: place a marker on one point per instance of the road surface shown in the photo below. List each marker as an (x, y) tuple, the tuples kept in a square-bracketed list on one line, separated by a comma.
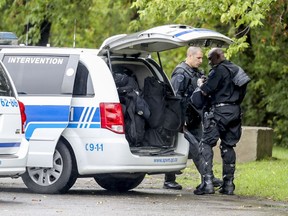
[(149, 199)]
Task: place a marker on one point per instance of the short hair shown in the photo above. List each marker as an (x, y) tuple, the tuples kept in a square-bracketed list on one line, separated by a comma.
[(193, 50), (217, 51)]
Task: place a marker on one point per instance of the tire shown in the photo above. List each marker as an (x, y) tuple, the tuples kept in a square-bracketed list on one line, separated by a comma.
[(119, 182), (58, 179)]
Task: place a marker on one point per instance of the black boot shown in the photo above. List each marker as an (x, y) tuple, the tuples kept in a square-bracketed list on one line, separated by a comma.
[(172, 185), (200, 164), (228, 186), (170, 182), (206, 187), (215, 181), (204, 166)]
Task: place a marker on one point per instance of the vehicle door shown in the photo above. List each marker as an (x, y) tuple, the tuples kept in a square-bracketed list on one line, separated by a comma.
[(158, 39), (162, 38)]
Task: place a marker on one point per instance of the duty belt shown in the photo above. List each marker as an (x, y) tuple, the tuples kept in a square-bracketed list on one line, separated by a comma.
[(223, 104)]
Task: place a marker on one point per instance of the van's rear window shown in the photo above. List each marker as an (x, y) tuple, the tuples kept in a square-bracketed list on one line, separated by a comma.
[(35, 74)]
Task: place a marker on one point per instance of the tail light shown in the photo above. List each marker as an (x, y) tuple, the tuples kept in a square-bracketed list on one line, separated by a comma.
[(23, 115), (112, 117)]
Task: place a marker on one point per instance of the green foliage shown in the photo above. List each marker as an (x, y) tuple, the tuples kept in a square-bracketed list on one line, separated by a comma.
[(92, 21), (263, 179), (267, 98), (260, 48)]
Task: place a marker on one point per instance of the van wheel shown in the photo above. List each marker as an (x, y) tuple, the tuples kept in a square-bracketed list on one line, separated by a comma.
[(58, 179), (119, 182)]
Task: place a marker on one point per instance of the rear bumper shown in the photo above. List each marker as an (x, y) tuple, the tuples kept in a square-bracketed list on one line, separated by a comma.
[(132, 169), (14, 165), (116, 157), (12, 171)]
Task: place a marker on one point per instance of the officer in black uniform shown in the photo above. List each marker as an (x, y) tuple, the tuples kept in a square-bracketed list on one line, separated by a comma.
[(184, 81), (223, 120)]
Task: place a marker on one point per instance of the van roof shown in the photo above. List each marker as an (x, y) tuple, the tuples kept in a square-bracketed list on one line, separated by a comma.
[(48, 50)]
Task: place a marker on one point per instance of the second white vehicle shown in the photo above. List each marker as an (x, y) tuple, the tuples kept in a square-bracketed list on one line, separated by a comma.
[(13, 145)]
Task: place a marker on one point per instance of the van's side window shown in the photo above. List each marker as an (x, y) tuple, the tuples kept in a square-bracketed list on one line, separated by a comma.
[(83, 84)]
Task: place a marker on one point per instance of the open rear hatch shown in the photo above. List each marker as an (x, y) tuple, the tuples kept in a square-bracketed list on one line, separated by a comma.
[(162, 38)]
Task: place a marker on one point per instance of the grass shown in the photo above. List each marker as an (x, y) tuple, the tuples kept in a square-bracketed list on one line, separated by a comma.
[(264, 179)]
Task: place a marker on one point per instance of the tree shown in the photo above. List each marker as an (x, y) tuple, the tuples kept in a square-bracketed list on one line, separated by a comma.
[(80, 23), (259, 29)]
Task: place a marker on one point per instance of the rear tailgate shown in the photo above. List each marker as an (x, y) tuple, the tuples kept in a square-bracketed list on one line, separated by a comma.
[(10, 125)]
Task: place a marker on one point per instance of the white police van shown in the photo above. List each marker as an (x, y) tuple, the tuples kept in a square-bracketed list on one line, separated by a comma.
[(13, 145), (75, 115)]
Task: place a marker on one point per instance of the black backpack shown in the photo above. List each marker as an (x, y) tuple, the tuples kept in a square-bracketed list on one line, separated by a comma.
[(239, 78), (135, 108), (165, 119)]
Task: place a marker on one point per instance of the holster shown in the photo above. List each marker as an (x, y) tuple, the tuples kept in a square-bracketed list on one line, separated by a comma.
[(208, 118)]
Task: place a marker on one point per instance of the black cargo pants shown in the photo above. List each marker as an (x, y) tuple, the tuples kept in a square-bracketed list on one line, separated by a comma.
[(224, 123)]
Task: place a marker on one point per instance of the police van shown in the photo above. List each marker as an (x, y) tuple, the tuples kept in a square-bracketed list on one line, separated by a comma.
[(77, 117), (13, 145)]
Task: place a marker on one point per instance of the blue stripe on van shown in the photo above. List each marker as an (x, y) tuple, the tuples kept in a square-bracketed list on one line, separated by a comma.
[(95, 125), (32, 127), (9, 145), (191, 30), (45, 116), (96, 116), (47, 113), (77, 113), (52, 116), (85, 117), (75, 125)]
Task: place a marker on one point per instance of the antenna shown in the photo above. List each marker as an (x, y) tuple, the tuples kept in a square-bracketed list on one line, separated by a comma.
[(27, 29), (74, 39)]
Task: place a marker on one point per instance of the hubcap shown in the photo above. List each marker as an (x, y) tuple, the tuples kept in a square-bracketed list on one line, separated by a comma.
[(47, 176)]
